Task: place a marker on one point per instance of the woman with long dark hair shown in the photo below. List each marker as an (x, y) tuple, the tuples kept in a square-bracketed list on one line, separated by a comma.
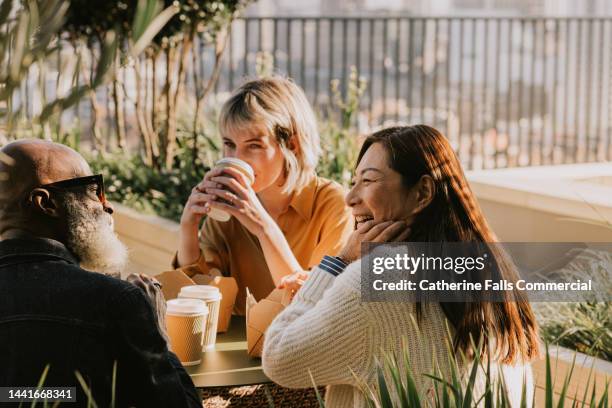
[(408, 186)]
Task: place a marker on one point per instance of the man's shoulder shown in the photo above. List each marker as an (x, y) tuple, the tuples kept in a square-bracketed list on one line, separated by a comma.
[(100, 283)]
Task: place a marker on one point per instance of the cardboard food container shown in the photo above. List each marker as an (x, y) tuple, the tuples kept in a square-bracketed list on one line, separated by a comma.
[(259, 315), (173, 281)]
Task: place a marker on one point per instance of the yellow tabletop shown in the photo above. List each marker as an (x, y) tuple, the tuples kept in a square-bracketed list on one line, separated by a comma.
[(228, 364)]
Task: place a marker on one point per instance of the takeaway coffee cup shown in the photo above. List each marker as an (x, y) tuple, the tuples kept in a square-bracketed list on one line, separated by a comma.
[(212, 297), (186, 324), (229, 290), (239, 165)]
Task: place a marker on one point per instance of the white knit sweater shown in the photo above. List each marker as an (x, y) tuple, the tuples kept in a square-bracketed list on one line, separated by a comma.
[(327, 331)]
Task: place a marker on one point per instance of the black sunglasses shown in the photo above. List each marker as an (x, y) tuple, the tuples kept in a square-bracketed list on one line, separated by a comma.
[(96, 179)]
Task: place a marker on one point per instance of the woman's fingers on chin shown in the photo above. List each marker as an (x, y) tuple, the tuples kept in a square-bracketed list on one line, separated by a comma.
[(402, 236)]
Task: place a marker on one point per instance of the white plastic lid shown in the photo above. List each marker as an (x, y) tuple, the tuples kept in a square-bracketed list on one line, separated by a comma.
[(186, 307), (232, 161), (204, 292)]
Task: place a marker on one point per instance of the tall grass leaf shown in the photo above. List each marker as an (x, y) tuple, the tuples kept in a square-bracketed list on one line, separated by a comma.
[(443, 381), (411, 389), (593, 395), (383, 390), (586, 388), (399, 386), (524, 393), (366, 390), (152, 29), (413, 392), (145, 11), (41, 381), (317, 393), (86, 390), (469, 389), (436, 393), (566, 382), (488, 391), (603, 403), (114, 385)]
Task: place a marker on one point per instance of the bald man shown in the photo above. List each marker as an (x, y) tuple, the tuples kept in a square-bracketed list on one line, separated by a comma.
[(56, 308)]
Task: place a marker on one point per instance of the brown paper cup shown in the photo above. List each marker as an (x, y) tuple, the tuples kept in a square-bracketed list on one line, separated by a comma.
[(241, 166), (229, 290), (212, 296), (186, 322)]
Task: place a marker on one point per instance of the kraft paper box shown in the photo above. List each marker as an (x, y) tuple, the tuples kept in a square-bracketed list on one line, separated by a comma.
[(259, 316), (173, 281)]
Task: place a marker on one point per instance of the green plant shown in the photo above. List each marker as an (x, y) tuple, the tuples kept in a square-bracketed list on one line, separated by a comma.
[(157, 102), (161, 192), (33, 35), (585, 327), (339, 134), (91, 403), (396, 387)]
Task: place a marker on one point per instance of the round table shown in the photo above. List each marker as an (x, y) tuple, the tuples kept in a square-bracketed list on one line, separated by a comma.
[(228, 364)]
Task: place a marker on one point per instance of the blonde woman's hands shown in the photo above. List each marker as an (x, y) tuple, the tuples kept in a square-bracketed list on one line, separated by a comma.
[(239, 200), (197, 204), (372, 231)]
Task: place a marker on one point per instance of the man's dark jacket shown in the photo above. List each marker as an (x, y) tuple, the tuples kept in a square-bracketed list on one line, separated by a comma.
[(54, 313)]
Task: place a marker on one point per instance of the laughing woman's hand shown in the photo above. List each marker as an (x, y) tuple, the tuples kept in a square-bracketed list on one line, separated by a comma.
[(372, 231)]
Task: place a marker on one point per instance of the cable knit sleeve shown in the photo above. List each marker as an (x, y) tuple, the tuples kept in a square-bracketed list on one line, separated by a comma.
[(323, 331)]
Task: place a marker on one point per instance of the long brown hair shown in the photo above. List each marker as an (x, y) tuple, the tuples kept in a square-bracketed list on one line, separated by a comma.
[(508, 329)]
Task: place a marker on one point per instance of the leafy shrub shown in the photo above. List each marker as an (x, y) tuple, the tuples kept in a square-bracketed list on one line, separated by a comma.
[(585, 327), (163, 192)]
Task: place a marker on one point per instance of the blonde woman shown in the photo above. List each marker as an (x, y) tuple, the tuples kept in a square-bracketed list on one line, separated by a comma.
[(287, 219)]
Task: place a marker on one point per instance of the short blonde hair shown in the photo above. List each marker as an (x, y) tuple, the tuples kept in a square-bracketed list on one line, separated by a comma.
[(281, 107)]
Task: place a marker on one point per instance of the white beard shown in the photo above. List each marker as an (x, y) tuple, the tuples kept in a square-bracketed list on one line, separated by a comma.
[(92, 239)]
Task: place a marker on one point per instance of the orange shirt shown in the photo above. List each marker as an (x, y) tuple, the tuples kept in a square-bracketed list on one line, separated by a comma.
[(316, 223)]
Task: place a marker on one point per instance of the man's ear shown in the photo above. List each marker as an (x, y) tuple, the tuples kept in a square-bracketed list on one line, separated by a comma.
[(425, 192), (42, 201)]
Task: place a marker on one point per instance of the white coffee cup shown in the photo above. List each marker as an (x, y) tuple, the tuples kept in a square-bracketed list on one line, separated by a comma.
[(186, 321), (212, 297), (239, 165)]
